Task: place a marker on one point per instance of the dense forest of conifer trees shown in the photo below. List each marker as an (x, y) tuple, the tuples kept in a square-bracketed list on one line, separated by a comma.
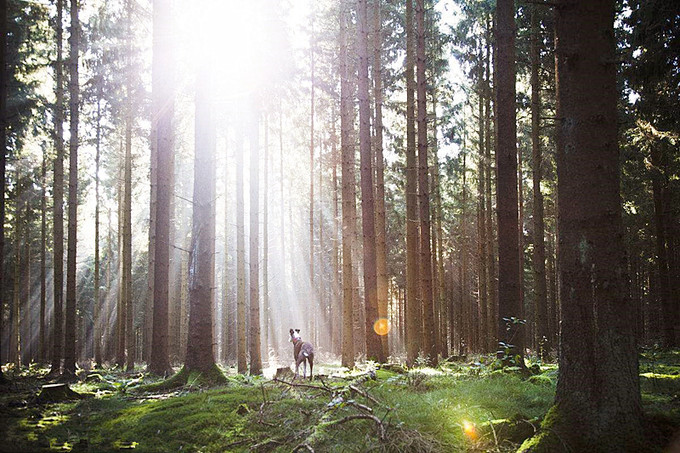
[(405, 181)]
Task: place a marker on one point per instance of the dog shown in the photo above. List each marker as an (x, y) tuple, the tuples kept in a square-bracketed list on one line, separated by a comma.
[(303, 353)]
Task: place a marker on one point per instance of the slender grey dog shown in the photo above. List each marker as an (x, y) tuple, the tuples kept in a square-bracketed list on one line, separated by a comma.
[(303, 352)]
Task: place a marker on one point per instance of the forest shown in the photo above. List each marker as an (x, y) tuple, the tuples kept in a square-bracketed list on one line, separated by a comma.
[(340, 225)]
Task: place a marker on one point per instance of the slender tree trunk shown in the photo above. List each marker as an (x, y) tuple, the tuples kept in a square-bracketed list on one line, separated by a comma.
[(492, 282), (254, 346), (540, 287), (162, 150), (3, 161), (16, 292), (336, 311), (597, 401), (126, 286), (311, 311), (97, 336), (58, 201), (429, 346), (373, 344), (71, 270), (42, 355), (240, 257), (478, 343), (509, 308), (348, 196), (413, 305), (463, 331), (121, 311), (266, 316), (380, 232)]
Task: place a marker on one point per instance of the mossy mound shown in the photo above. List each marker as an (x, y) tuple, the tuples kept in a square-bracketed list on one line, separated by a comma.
[(212, 377)]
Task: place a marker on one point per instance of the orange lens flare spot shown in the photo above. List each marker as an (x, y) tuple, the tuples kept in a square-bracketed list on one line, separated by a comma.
[(381, 326), (470, 430)]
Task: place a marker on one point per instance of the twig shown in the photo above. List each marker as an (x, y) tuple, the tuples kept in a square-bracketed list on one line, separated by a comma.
[(359, 406), (493, 430), (308, 386), (266, 443), (349, 418), (363, 393), (305, 447)]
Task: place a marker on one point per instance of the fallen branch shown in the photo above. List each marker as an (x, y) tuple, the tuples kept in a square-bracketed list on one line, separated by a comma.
[(363, 393), (303, 446), (349, 418), (307, 386)]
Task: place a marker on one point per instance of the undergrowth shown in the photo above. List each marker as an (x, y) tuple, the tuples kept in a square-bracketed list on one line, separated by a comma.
[(471, 406)]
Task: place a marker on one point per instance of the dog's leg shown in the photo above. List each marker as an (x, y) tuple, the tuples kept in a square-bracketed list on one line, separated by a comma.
[(304, 369), (311, 365)]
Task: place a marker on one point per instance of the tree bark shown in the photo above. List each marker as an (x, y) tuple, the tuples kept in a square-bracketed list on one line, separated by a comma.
[(413, 305), (348, 196), (510, 329), (597, 401), (58, 201), (240, 257), (429, 336), (126, 285), (163, 146), (380, 229), (71, 270), (373, 343), (540, 286), (200, 354), (254, 237)]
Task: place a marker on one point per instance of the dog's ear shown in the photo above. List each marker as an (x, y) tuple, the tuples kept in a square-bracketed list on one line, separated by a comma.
[(297, 330), (291, 331)]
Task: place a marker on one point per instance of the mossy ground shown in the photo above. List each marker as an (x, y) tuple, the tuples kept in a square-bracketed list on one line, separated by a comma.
[(456, 407)]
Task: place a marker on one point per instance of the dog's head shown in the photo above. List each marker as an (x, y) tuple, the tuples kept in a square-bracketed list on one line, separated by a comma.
[(294, 335)]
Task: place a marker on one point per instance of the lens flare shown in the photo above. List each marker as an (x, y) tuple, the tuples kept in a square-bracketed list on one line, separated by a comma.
[(469, 430), (381, 326)]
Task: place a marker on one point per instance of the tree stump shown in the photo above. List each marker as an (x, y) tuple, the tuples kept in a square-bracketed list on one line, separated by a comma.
[(56, 393)]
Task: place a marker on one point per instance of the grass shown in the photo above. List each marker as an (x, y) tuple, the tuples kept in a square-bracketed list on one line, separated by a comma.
[(456, 407)]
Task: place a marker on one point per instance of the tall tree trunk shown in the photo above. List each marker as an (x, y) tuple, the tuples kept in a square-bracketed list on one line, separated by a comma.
[(266, 316), (200, 353), (71, 270), (348, 196), (413, 305), (373, 344), (429, 346), (3, 161), (312, 302), (254, 237), (121, 311), (478, 342), (97, 336), (336, 310), (163, 150), (510, 330), (126, 286), (42, 356), (240, 256), (58, 201), (597, 401), (16, 291), (540, 287), (492, 288), (380, 229)]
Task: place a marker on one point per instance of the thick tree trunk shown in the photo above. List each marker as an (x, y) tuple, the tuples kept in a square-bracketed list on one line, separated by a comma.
[(597, 402), (200, 354), (509, 308), (540, 286), (373, 344), (58, 201), (163, 150), (71, 270), (254, 237), (413, 305), (348, 196)]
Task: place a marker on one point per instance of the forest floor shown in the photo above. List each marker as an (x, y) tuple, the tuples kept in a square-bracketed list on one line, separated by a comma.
[(459, 406)]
